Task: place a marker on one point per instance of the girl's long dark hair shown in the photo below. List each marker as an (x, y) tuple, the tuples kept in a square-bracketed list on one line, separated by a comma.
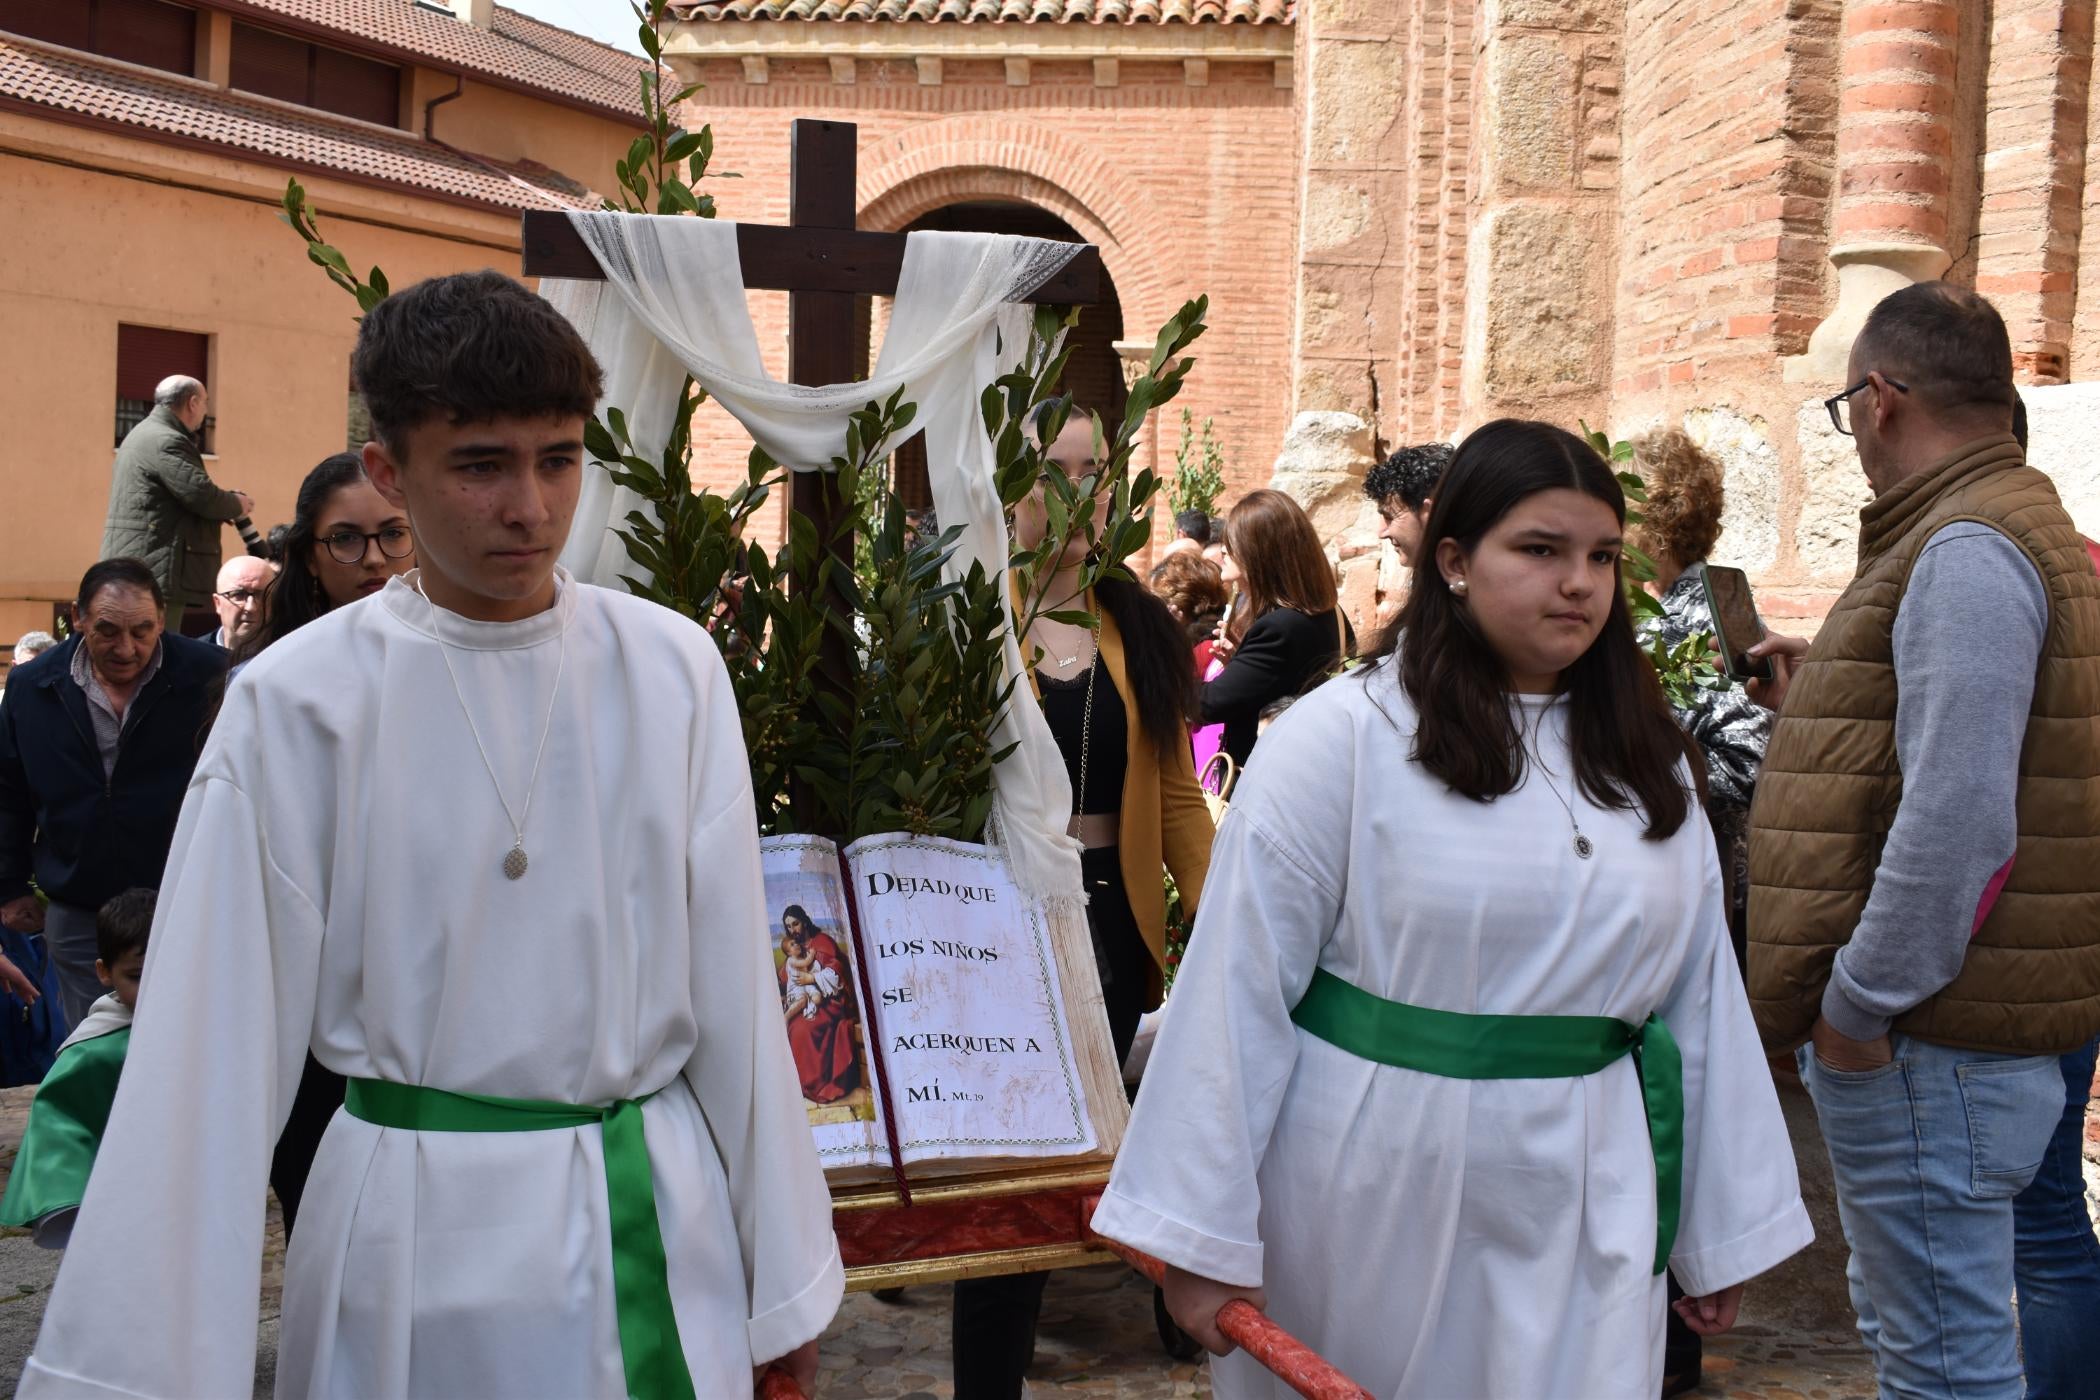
[(1626, 742), (296, 597), (1156, 659)]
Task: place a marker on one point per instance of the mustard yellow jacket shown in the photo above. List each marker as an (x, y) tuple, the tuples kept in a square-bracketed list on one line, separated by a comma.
[(1164, 819)]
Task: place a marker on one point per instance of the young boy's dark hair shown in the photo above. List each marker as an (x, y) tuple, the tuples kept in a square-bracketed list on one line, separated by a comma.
[(1411, 474), (121, 925), (474, 346)]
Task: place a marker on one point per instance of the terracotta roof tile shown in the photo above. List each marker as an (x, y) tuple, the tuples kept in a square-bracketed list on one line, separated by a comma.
[(172, 107), (999, 11), (517, 50)]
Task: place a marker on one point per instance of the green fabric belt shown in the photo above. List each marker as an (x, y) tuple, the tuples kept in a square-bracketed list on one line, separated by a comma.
[(1457, 1045), (649, 1346)]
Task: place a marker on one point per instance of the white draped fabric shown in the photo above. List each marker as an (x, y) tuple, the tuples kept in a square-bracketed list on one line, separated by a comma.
[(673, 303)]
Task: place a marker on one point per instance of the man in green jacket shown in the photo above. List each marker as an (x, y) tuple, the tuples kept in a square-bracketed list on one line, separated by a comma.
[(163, 507)]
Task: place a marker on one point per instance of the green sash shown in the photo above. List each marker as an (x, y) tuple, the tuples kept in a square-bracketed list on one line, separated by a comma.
[(649, 1345), (1457, 1045)]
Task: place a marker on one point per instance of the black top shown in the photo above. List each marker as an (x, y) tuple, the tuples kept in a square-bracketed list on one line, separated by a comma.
[(1105, 749), (83, 836), (1284, 654)]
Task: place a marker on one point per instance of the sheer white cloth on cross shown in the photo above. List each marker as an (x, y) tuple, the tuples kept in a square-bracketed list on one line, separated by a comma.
[(673, 302)]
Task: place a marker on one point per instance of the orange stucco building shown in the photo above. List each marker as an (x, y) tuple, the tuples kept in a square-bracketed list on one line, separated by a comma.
[(1410, 216), (144, 148)]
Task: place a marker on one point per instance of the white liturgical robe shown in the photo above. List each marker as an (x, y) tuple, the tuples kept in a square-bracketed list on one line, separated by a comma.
[(336, 880), (1431, 1236)]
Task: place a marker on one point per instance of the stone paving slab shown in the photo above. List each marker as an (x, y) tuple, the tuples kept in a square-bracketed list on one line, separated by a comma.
[(1097, 1338)]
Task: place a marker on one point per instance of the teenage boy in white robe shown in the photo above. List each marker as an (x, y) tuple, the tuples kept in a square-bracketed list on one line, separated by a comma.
[(485, 842), (1460, 1058)]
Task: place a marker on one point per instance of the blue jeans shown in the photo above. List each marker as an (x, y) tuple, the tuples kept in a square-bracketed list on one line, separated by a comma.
[(2056, 1261), (1928, 1153)]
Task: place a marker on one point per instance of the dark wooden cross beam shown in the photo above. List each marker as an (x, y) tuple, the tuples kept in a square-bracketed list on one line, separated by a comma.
[(823, 262), (820, 259)]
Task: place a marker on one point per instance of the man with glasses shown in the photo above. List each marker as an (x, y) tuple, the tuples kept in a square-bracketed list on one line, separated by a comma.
[(164, 508), (1925, 847), (242, 598)]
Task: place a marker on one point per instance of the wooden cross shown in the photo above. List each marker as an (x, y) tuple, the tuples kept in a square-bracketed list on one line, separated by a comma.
[(823, 262)]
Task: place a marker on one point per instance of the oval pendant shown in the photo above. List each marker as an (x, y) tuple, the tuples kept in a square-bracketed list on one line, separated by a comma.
[(514, 863), (1583, 847)]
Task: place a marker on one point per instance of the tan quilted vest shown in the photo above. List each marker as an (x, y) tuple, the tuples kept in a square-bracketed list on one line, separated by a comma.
[(1831, 782)]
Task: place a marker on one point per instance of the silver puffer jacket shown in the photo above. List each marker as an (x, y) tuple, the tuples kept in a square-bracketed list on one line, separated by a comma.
[(1731, 729)]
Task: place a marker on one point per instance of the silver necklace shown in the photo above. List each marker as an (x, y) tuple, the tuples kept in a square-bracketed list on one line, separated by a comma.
[(1583, 845), (515, 863)]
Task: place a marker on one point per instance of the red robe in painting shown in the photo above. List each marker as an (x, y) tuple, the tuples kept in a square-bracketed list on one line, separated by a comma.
[(823, 1043)]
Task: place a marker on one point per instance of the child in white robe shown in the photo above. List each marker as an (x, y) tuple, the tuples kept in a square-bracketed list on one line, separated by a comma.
[(485, 842), (1396, 1094)]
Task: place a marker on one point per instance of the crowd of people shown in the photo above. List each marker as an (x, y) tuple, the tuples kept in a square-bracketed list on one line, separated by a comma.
[(1468, 1073)]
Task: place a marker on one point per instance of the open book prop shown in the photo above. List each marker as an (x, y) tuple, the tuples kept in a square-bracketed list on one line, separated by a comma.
[(923, 994)]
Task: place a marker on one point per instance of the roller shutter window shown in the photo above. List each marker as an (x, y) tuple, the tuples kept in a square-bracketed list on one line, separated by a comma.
[(292, 70), (356, 87), (67, 22), (147, 32), (145, 356), (271, 64)]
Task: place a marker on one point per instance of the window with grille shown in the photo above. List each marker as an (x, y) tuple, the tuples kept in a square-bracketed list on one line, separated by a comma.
[(148, 32), (145, 356), (292, 70)]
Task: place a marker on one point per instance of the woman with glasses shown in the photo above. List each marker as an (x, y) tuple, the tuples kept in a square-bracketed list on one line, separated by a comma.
[(344, 543)]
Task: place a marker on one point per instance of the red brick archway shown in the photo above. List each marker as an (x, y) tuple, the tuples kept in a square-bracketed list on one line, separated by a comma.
[(930, 167)]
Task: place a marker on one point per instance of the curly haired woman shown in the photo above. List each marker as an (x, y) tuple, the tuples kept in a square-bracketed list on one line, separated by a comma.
[(1680, 522)]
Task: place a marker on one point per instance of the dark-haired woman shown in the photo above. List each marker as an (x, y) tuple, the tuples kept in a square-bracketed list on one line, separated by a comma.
[(1422, 1083), (1285, 631), (1115, 698), (345, 541)]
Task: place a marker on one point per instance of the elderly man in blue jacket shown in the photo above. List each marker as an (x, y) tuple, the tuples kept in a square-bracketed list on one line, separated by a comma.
[(98, 737)]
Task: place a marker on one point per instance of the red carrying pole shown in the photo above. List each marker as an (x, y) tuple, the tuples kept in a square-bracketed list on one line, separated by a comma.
[(1288, 1359)]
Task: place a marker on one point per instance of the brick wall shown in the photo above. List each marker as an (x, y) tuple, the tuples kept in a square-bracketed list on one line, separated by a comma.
[(1730, 119), (2032, 195), (1187, 189)]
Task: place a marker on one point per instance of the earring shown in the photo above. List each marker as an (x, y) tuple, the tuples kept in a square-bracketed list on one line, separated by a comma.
[(1458, 586)]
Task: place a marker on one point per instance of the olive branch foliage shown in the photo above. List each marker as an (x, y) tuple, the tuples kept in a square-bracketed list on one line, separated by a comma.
[(908, 741)]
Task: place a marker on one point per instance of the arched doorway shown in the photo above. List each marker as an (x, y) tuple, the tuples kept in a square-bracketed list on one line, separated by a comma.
[(1093, 374)]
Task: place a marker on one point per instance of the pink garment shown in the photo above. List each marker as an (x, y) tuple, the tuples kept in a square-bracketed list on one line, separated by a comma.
[(1210, 739)]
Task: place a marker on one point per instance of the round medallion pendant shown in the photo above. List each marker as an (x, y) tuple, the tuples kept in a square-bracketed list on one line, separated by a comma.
[(1583, 848), (514, 863)]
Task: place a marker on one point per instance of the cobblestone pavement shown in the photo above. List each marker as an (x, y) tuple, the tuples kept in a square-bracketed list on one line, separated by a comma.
[(1097, 1337)]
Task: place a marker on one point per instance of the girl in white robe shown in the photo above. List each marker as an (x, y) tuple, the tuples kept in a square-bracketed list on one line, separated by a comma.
[(1442, 1236)]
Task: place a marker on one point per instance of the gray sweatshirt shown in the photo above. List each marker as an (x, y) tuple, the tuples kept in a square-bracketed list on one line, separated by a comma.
[(1968, 642)]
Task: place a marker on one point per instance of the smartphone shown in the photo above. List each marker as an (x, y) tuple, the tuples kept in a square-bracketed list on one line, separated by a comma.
[(1736, 624)]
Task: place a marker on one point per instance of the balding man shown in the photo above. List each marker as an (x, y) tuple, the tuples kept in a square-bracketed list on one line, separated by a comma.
[(242, 598), (163, 507), (1924, 858)]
